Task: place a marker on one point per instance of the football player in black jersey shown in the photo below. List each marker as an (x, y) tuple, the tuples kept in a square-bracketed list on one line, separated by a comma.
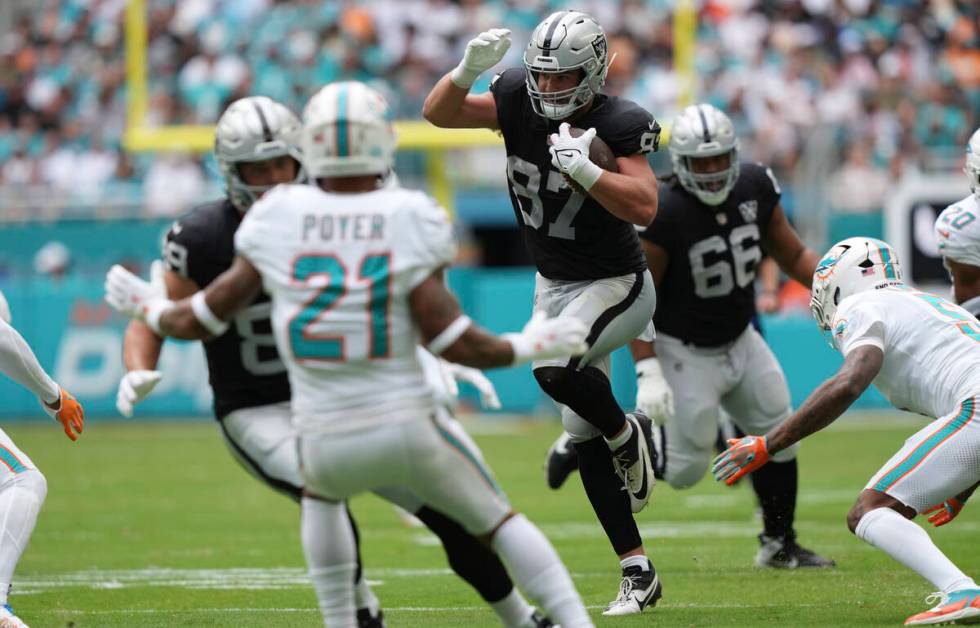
[(584, 244), (716, 218), (255, 149)]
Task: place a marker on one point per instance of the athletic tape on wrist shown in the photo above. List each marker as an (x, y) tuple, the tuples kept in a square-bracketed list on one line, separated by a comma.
[(205, 316), (449, 335), (154, 310)]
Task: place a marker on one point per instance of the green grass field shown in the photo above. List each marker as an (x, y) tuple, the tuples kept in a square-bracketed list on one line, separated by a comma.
[(153, 524)]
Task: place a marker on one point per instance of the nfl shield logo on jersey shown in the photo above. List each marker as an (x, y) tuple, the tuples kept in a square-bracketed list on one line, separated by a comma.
[(749, 210)]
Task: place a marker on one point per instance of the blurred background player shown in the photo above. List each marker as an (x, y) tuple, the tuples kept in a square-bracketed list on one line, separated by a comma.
[(255, 145), (583, 243), (923, 353), (22, 486), (958, 235), (365, 417)]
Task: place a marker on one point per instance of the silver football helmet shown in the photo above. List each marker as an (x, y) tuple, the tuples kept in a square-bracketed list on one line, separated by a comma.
[(704, 131), (972, 167), (565, 41), (254, 128)]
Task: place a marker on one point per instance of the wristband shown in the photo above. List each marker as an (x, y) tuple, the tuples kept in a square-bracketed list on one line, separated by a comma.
[(449, 335), (521, 345), (463, 77), (205, 316), (586, 174), (152, 312)]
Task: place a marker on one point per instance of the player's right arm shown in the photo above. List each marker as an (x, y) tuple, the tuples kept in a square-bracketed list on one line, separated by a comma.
[(449, 104), (450, 334)]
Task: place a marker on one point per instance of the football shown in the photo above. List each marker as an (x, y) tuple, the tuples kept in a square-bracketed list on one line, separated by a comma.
[(599, 153)]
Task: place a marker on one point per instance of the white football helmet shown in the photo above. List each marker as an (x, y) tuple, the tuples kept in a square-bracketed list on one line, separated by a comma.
[(347, 132), (564, 41), (704, 131), (254, 128), (851, 266), (972, 167)]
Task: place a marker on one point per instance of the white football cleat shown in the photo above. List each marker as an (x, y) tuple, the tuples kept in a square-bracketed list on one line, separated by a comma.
[(9, 620), (640, 588)]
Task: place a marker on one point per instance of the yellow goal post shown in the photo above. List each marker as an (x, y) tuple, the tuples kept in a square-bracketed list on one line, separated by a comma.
[(412, 134)]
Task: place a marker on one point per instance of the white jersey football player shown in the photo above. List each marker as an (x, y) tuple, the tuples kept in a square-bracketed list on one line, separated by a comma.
[(22, 486), (958, 235), (354, 268), (923, 354)]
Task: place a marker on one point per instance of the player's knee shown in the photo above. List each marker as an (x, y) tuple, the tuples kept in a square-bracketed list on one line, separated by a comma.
[(557, 382), (685, 474), (34, 481)]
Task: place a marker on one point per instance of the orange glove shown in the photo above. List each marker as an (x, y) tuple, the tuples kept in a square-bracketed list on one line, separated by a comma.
[(744, 455), (945, 512), (69, 413)]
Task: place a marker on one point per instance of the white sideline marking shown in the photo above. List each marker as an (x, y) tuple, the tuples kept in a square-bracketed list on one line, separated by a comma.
[(387, 609)]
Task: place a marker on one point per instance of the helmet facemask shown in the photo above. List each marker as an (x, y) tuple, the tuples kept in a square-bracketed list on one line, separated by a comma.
[(566, 41), (712, 188)]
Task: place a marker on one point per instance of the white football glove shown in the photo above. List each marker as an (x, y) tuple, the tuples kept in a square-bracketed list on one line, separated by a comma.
[(134, 388), (653, 395), (482, 53), (453, 373), (571, 155), (544, 338), (136, 298)]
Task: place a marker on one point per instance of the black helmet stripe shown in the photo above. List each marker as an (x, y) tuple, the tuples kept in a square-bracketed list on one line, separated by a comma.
[(546, 44), (704, 124), (265, 123)]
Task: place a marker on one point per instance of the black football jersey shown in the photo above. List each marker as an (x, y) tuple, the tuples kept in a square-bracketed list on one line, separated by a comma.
[(569, 235), (707, 294), (244, 368)]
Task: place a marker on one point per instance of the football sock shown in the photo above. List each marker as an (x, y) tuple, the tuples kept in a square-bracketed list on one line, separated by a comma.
[(587, 392), (513, 609), (363, 595), (910, 545), (775, 485), (536, 566), (618, 441), (640, 561), (473, 561), (605, 491), (20, 501), (328, 544)]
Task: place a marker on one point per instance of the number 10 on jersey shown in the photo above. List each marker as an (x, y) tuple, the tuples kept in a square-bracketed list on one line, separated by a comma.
[(374, 272)]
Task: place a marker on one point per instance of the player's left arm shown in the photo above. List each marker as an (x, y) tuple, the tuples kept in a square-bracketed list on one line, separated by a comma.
[(631, 193), (822, 407), (784, 245)]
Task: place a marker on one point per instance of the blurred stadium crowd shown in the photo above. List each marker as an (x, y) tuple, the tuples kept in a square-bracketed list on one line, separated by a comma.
[(851, 91)]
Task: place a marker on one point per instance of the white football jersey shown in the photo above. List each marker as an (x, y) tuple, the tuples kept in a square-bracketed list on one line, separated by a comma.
[(958, 231), (931, 346), (339, 269)]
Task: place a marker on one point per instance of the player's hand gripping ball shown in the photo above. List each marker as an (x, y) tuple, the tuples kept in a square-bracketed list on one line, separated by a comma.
[(569, 154)]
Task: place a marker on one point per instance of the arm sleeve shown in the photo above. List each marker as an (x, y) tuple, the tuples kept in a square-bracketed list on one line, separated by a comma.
[(428, 239), (633, 131), (858, 325), (19, 363)]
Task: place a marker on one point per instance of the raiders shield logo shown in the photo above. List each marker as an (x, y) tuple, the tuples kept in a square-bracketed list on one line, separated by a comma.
[(749, 210), (599, 45)]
